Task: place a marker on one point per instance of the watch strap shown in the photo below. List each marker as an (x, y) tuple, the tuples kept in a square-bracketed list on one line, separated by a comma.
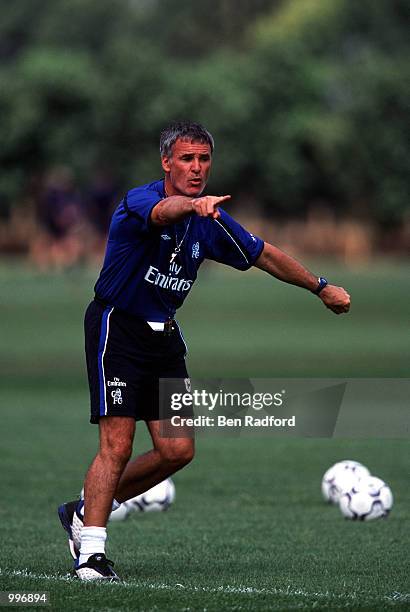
[(322, 283)]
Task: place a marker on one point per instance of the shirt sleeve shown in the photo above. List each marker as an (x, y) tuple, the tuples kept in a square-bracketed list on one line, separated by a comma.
[(138, 204), (229, 243)]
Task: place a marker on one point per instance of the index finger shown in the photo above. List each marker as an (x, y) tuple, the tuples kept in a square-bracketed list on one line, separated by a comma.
[(223, 198)]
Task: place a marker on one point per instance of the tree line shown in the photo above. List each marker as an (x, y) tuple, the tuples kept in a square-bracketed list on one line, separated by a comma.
[(307, 99)]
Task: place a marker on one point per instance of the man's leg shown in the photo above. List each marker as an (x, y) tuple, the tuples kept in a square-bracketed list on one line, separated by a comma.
[(116, 438), (167, 457)]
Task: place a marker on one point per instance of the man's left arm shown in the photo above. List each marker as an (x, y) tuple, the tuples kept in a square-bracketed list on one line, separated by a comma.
[(285, 268)]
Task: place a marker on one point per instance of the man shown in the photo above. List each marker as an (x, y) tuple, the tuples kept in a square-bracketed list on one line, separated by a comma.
[(159, 235)]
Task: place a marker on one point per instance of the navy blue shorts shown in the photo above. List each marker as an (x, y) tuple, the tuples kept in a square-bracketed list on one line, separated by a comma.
[(125, 360)]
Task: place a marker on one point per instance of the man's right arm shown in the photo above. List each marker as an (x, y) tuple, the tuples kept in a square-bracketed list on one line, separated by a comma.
[(175, 208)]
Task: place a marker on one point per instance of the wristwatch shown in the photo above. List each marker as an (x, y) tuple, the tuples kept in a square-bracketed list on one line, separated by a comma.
[(322, 283)]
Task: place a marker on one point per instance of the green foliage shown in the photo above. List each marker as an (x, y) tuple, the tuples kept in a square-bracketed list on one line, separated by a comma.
[(308, 100), (334, 81)]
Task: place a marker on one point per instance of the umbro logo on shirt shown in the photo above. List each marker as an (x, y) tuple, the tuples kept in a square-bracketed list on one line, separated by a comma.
[(165, 237)]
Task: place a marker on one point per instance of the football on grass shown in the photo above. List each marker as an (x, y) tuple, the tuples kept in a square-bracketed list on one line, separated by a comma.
[(370, 498), (342, 476), (157, 499)]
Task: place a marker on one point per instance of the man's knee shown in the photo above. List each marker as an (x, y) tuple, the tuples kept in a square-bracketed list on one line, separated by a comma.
[(118, 452), (116, 440), (175, 454)]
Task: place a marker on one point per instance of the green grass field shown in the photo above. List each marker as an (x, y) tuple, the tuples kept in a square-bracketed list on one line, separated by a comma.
[(248, 530)]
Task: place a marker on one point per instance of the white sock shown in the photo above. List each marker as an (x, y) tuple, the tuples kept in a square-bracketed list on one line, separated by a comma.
[(92, 541), (115, 506)]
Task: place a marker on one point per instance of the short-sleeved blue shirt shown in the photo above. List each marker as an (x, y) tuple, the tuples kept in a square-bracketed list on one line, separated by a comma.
[(138, 275)]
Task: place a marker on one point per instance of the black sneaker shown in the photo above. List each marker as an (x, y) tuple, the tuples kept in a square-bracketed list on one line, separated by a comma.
[(72, 521), (98, 567)]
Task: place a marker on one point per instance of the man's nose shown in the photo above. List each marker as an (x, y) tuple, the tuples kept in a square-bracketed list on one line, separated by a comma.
[(195, 166)]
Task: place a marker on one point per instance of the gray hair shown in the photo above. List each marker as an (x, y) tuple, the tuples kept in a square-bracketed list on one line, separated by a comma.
[(185, 130)]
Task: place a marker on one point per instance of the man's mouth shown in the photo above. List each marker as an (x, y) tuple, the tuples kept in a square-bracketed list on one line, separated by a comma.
[(195, 181)]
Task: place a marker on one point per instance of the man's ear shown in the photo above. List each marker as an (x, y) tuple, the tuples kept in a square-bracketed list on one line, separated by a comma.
[(165, 161)]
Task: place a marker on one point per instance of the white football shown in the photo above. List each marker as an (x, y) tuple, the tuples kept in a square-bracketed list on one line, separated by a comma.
[(341, 477), (157, 499), (370, 498)]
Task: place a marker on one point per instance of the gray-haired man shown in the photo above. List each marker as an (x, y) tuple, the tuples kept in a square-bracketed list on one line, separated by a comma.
[(159, 236)]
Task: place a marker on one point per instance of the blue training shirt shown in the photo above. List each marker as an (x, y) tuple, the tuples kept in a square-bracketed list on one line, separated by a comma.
[(138, 275)]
